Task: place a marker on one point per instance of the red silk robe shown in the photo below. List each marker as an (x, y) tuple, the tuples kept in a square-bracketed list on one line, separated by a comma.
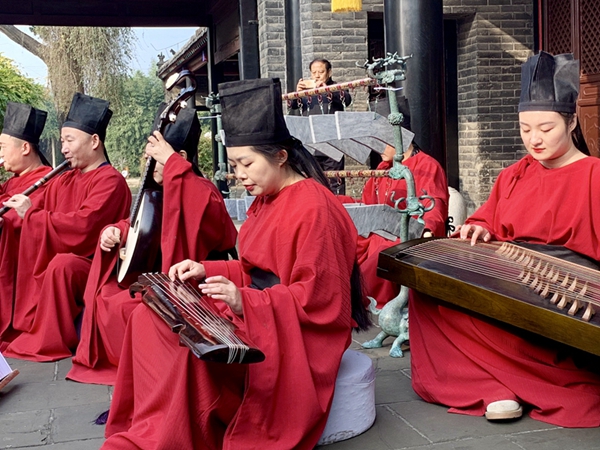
[(466, 363), (429, 177), (61, 230), (10, 236), (167, 398), (194, 222)]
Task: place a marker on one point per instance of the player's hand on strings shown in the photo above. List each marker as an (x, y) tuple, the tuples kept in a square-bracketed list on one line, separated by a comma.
[(473, 232), (186, 270), (20, 203), (110, 237), (220, 288)]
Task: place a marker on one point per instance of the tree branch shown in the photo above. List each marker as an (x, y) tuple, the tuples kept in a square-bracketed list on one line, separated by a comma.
[(24, 40)]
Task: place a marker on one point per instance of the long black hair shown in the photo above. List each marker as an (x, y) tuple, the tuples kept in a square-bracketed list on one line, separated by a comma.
[(302, 162), (576, 134)]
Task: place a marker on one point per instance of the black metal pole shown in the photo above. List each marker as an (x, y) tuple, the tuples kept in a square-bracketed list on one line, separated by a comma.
[(293, 47), (416, 27), (215, 76), (249, 62)]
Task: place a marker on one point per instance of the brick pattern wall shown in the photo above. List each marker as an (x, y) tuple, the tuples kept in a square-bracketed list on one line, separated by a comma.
[(271, 39), (341, 38), (495, 37)]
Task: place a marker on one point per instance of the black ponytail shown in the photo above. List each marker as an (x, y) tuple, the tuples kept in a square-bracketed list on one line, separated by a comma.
[(359, 311)]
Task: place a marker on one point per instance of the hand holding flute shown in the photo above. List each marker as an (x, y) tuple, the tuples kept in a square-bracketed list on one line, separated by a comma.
[(21, 202)]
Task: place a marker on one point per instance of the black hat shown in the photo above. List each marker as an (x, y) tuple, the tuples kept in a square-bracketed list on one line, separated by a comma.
[(24, 122), (89, 114), (184, 133), (549, 83), (252, 112)]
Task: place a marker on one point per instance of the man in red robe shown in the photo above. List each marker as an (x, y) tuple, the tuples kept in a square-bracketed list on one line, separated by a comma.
[(19, 149), (195, 225), (60, 230)]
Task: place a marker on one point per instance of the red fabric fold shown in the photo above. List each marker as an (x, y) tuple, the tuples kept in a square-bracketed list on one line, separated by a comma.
[(194, 222), (304, 236)]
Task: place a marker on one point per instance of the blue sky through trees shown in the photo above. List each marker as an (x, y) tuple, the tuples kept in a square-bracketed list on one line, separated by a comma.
[(150, 43)]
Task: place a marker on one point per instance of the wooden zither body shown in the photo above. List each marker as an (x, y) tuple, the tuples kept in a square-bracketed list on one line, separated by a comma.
[(209, 336), (524, 288)]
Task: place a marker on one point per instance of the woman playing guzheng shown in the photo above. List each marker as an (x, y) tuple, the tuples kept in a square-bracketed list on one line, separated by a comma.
[(548, 197), (294, 292)]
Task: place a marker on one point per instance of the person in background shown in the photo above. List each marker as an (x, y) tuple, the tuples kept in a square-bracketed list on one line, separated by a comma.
[(321, 75), (429, 177), (477, 366)]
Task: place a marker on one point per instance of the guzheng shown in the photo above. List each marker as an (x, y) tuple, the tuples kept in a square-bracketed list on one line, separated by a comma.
[(515, 285), (209, 336)]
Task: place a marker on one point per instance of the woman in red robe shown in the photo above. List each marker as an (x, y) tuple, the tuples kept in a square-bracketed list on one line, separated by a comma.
[(300, 238), (429, 177), (195, 223), (476, 366)]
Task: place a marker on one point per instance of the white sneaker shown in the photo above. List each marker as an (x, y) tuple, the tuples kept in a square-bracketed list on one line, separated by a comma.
[(503, 410)]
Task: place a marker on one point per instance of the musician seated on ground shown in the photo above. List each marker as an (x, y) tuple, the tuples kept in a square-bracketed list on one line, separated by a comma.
[(59, 233), (294, 292), (550, 196), (429, 177), (321, 75), (23, 126), (195, 225)]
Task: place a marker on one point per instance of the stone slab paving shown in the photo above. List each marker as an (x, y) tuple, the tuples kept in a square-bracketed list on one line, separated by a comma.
[(40, 409)]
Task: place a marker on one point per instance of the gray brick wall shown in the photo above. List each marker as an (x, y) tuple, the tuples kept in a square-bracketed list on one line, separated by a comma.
[(271, 39), (340, 38), (495, 37)]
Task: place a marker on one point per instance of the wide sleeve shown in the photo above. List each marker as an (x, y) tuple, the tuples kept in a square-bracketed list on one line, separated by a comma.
[(232, 270), (430, 178), (486, 214), (76, 230), (195, 219)]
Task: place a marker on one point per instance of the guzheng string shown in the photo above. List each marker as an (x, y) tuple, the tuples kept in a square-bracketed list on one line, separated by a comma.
[(566, 281), (191, 304)]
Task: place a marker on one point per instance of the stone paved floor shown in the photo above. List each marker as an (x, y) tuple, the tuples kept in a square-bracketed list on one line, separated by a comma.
[(40, 409)]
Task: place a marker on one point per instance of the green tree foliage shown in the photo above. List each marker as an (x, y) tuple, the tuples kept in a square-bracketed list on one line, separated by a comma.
[(15, 87), (90, 60), (130, 126)]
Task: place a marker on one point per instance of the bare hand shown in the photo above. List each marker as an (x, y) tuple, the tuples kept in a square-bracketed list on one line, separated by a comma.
[(220, 288), (20, 203), (110, 237), (475, 232), (158, 148), (187, 269)]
